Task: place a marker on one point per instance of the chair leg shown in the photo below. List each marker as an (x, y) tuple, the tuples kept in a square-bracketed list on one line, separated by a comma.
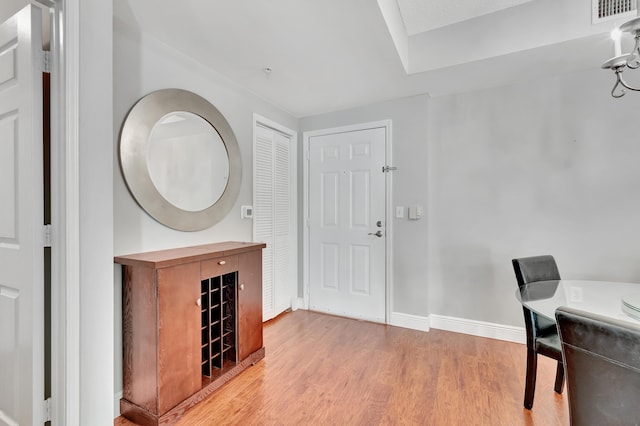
[(530, 383), (559, 378)]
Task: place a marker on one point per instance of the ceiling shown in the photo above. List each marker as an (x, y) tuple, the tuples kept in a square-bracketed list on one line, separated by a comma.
[(424, 15), (331, 55)]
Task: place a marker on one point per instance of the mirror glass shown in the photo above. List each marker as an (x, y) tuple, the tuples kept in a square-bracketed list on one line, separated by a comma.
[(187, 161)]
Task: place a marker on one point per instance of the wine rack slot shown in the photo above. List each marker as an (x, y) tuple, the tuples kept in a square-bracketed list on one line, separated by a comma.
[(218, 304)]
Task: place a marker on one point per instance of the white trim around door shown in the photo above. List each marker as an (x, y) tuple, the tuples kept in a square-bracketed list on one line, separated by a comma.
[(65, 214), (387, 125)]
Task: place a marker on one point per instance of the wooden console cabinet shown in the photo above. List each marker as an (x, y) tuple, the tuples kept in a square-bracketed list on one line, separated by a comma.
[(192, 320)]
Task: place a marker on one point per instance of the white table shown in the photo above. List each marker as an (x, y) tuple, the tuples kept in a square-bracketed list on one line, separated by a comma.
[(598, 297)]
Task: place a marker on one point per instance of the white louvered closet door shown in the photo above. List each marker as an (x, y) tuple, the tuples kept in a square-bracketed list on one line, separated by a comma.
[(272, 216)]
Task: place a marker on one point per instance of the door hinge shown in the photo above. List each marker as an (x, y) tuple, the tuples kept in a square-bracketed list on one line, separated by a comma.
[(46, 235), (308, 155), (47, 410), (386, 169), (46, 61)]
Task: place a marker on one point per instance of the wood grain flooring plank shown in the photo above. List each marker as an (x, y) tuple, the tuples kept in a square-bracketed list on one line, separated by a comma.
[(326, 370)]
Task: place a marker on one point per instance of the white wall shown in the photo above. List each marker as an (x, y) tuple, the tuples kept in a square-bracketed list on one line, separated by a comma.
[(409, 155), (96, 212), (142, 65), (546, 167), (550, 166)]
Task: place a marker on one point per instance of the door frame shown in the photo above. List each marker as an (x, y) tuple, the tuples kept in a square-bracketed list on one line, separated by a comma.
[(65, 212), (388, 217)]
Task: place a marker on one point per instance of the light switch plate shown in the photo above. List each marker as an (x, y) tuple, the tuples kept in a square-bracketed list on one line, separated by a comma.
[(416, 212), (399, 212)]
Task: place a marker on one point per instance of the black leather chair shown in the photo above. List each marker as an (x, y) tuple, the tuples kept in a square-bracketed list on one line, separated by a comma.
[(602, 359), (542, 334)]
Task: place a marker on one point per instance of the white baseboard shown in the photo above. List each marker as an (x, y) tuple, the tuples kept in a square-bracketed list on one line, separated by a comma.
[(413, 322), (116, 404), (479, 328), (457, 325)]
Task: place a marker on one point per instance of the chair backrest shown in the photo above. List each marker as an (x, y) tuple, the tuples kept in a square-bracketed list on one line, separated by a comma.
[(602, 365), (536, 268), (529, 270)]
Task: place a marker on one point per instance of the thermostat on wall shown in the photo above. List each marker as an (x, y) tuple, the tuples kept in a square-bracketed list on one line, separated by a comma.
[(246, 212)]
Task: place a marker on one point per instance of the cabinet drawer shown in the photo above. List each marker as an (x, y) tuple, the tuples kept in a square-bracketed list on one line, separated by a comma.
[(218, 266)]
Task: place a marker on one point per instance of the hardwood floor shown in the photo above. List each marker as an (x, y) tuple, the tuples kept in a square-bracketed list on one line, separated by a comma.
[(326, 370)]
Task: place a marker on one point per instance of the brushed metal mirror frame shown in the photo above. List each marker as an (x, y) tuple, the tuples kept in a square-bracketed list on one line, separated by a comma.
[(134, 140)]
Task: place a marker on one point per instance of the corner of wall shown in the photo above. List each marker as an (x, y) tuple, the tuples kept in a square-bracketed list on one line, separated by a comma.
[(298, 303), (413, 322)]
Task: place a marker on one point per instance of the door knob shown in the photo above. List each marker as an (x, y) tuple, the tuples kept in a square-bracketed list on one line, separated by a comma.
[(377, 234)]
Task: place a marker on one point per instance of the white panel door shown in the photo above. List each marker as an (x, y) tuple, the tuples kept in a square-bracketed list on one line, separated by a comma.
[(21, 220), (346, 224)]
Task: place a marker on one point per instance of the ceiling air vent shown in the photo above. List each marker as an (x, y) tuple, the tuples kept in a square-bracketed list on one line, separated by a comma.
[(605, 10)]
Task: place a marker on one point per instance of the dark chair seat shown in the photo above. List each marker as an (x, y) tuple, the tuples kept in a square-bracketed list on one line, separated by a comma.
[(549, 346), (542, 334)]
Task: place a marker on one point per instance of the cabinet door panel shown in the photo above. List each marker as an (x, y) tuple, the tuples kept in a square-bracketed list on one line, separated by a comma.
[(249, 303), (178, 334), (139, 334)]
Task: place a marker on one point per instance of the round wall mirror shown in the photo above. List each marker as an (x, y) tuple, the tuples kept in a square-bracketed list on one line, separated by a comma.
[(180, 159)]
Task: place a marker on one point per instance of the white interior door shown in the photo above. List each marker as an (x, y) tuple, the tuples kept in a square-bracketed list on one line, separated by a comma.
[(21, 220), (347, 224)]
